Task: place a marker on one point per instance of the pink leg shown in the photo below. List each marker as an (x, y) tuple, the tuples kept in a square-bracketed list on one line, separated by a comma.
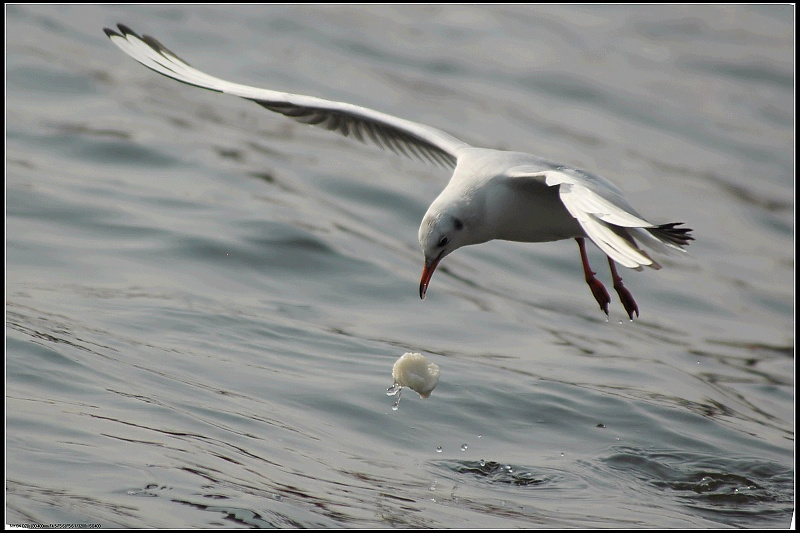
[(598, 290), (624, 294)]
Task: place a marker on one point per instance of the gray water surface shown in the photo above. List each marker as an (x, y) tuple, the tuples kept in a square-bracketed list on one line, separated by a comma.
[(204, 300)]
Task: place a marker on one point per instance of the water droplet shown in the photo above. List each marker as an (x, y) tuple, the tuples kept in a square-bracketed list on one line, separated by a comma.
[(433, 486), (620, 322), (482, 462), (453, 493), (562, 454), (398, 392), (438, 449), (464, 447)]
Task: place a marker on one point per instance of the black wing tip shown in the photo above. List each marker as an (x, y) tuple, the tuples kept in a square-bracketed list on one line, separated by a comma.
[(124, 32), (673, 234), (153, 43), (121, 31)]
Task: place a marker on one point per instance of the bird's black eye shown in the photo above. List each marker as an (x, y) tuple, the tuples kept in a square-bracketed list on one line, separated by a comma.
[(458, 224), (443, 242)]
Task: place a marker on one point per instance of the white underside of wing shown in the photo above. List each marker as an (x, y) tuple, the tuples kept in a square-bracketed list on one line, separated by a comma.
[(614, 243), (605, 222)]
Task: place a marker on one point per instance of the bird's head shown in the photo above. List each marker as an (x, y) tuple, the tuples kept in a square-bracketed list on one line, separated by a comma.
[(442, 232)]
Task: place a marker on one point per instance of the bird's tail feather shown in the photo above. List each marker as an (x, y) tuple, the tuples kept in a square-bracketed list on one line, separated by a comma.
[(671, 234)]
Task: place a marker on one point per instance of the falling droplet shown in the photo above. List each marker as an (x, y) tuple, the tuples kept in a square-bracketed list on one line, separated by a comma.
[(482, 462), (620, 322), (464, 447), (438, 449), (562, 454), (398, 392)]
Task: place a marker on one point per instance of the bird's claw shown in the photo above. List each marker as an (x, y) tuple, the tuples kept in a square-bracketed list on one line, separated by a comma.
[(600, 293), (627, 300)]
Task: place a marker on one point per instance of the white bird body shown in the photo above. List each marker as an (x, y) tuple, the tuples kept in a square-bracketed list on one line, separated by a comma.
[(492, 194), (505, 206)]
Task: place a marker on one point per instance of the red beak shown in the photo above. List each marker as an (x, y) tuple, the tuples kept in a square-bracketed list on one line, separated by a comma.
[(427, 273)]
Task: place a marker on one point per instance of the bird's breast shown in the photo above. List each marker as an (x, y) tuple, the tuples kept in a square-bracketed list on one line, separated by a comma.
[(532, 215)]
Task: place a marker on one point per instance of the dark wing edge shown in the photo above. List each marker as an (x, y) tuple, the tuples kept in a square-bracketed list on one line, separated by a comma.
[(385, 131)]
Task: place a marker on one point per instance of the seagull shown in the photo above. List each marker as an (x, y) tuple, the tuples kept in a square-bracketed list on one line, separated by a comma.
[(492, 194)]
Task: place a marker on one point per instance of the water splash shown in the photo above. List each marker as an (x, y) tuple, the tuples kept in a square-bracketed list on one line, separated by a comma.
[(395, 390)]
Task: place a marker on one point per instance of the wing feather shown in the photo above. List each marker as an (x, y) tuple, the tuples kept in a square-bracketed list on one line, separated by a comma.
[(605, 215), (398, 135)]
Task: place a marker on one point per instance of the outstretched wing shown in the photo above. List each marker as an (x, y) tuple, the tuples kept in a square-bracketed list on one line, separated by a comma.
[(396, 134), (607, 217)]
